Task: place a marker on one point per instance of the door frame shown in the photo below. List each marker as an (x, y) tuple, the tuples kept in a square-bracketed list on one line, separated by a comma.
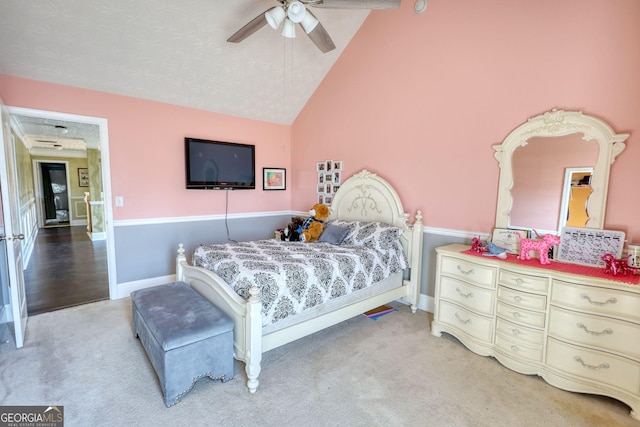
[(11, 229), (39, 189), (105, 166), (566, 194)]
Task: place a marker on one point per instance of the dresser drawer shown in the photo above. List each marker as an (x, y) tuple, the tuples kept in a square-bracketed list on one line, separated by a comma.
[(613, 302), (594, 365), (473, 324), (477, 274), (472, 297), (524, 281), (517, 349), (522, 299), (520, 315), (603, 332), (520, 333)]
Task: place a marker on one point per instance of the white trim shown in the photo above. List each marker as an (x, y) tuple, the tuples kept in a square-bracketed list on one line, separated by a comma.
[(426, 303), (124, 289), (78, 222), (456, 233), (39, 189), (76, 154), (79, 201), (97, 236), (8, 313), (170, 220)]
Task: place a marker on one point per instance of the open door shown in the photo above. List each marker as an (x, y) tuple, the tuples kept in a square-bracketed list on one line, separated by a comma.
[(12, 234)]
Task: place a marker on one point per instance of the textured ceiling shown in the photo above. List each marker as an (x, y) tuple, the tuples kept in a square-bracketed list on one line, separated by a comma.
[(44, 134), (172, 51)]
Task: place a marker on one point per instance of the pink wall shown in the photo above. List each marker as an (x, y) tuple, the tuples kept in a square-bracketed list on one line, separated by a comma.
[(420, 99), (146, 147)]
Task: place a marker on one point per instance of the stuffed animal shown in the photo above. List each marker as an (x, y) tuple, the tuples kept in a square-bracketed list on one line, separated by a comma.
[(314, 225), (290, 232), (615, 265), (540, 245)]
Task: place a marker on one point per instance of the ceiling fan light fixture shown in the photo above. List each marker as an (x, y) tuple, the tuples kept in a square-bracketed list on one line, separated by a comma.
[(296, 11), (275, 16), (289, 29), (309, 23)]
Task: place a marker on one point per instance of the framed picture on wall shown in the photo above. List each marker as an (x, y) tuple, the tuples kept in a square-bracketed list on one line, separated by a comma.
[(83, 177), (274, 179)]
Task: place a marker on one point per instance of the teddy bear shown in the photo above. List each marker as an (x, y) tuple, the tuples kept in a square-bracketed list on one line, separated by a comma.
[(314, 225), (290, 232)]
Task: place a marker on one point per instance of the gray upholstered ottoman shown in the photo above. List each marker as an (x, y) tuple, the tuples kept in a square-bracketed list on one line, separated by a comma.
[(185, 336)]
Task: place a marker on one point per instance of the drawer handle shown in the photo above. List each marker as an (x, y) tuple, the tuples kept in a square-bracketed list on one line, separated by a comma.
[(517, 315), (519, 281), (469, 295), (607, 331), (514, 348), (462, 320), (466, 273), (611, 300), (515, 332), (517, 298), (595, 368)]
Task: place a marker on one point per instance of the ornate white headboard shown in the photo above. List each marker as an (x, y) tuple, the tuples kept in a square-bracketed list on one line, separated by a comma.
[(367, 197)]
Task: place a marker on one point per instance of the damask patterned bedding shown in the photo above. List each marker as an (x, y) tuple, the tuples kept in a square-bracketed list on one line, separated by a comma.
[(294, 276)]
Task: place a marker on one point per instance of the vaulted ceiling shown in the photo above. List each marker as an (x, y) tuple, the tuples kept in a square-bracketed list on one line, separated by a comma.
[(172, 51)]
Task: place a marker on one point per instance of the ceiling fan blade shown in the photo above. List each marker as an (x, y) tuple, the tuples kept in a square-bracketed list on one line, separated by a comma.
[(355, 4), (254, 25), (321, 39)]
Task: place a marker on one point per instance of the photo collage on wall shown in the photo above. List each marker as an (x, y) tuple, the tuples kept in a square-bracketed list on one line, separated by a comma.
[(329, 179)]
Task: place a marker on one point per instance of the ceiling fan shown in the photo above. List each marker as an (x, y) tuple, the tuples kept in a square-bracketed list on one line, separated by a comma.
[(292, 12)]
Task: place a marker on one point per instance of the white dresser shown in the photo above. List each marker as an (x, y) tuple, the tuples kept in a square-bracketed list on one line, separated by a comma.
[(577, 332)]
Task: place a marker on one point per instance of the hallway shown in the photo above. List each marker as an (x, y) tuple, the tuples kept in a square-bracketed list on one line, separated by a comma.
[(65, 269)]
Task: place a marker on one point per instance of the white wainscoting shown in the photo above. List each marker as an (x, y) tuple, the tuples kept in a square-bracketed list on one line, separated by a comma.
[(28, 227)]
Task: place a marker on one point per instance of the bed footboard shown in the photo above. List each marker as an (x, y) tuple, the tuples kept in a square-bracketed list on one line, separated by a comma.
[(246, 315)]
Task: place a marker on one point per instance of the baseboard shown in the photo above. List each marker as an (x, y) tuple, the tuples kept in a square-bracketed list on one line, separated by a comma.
[(426, 303), (125, 289), (97, 236), (7, 316)]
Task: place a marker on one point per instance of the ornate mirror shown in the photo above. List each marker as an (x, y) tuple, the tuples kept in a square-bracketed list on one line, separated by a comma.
[(547, 155)]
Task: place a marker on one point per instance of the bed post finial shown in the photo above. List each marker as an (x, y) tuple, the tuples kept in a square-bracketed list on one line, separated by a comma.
[(179, 259)]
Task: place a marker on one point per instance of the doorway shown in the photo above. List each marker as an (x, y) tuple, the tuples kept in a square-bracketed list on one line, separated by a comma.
[(54, 201), (60, 213)]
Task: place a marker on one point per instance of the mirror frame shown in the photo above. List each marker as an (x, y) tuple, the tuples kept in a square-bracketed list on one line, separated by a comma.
[(560, 123)]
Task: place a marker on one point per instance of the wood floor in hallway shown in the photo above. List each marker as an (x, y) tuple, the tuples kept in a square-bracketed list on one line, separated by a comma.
[(66, 268)]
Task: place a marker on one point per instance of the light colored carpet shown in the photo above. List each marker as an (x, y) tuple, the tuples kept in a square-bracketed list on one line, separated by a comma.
[(387, 372)]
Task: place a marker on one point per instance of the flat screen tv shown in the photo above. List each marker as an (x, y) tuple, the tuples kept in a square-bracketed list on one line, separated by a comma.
[(216, 165)]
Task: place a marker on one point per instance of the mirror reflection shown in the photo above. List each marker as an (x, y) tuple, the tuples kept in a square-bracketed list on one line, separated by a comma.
[(551, 177)]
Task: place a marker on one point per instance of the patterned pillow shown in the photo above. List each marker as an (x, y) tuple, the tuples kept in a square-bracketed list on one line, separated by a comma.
[(376, 235)]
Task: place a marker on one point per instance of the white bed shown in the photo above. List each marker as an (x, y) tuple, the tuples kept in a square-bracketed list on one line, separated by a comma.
[(363, 197)]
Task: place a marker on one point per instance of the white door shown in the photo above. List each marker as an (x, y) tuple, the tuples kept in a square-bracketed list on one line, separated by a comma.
[(12, 235)]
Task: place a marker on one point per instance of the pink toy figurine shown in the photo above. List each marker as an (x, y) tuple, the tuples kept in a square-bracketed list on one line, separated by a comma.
[(476, 245), (540, 245), (614, 265)]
